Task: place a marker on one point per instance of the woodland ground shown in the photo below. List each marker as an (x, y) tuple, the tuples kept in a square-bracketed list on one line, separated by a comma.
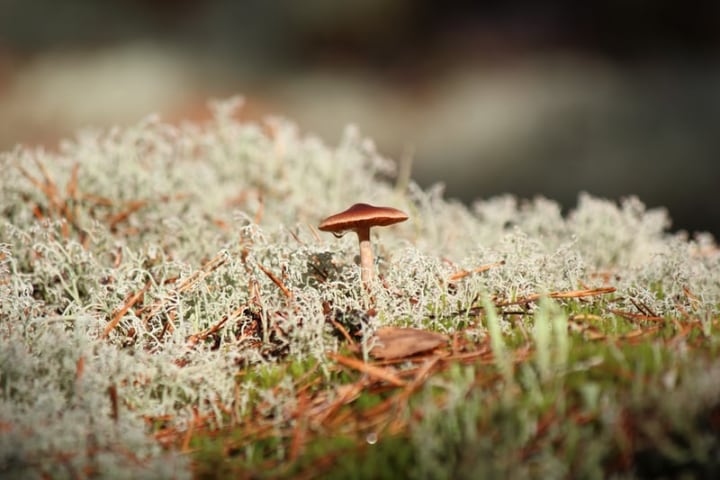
[(169, 310)]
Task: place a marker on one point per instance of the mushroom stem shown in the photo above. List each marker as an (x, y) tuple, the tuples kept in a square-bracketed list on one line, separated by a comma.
[(366, 256), (360, 218)]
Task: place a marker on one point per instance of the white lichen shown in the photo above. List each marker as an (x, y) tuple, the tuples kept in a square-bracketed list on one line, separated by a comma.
[(191, 215)]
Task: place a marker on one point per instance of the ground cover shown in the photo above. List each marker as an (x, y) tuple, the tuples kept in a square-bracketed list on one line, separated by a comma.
[(168, 309)]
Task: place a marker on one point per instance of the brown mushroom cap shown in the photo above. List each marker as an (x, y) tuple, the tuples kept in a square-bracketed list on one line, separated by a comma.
[(362, 215)]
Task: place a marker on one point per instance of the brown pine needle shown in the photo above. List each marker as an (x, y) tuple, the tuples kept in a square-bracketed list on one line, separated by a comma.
[(464, 273), (260, 210), (643, 308), (571, 294), (97, 199), (343, 331), (191, 429), (193, 339), (65, 230), (37, 212), (46, 175), (71, 196), (641, 332), (485, 354), (581, 293), (649, 310), (313, 232), (79, 368), (132, 207), (47, 188), (586, 316), (297, 442), (379, 373), (399, 401), (127, 306), (422, 375), (168, 325), (636, 316), (276, 281), (346, 394), (295, 236), (36, 183), (690, 294), (112, 392), (221, 224), (71, 187), (210, 266)]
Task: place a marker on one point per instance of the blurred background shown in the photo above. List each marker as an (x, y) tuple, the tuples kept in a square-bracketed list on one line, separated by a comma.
[(531, 98)]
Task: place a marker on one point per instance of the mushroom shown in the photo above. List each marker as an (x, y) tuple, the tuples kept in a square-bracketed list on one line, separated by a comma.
[(360, 218)]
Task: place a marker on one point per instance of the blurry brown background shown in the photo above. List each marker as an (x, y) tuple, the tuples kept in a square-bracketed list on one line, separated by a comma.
[(551, 98)]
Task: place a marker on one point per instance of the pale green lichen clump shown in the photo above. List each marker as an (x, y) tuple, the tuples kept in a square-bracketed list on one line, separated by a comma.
[(191, 216)]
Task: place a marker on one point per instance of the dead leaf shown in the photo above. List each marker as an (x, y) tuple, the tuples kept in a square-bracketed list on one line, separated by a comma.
[(396, 342)]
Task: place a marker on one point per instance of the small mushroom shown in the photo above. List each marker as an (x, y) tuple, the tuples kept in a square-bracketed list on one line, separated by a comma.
[(360, 218)]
